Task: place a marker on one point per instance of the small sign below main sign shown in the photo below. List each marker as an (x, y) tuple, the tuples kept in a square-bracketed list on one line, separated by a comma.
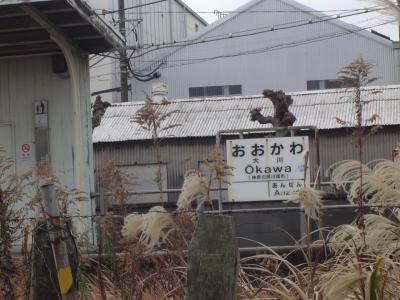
[(267, 169)]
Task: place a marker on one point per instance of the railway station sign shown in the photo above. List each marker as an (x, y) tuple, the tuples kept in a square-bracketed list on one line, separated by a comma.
[(267, 168)]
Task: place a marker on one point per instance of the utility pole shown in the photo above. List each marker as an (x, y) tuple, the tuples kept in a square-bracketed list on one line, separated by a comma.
[(58, 243), (123, 60)]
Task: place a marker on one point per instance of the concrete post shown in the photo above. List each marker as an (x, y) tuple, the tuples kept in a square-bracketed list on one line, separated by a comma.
[(213, 260)]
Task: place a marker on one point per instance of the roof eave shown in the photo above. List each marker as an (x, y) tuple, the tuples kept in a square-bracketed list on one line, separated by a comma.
[(111, 36)]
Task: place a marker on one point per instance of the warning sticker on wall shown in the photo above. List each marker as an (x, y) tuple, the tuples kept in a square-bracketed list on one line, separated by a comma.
[(26, 152)]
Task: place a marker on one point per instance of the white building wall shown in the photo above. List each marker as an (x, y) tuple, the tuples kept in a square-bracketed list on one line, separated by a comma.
[(158, 23), (272, 60), (102, 76), (26, 80)]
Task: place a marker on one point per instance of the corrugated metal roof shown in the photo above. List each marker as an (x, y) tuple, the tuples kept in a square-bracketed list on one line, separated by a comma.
[(205, 117)]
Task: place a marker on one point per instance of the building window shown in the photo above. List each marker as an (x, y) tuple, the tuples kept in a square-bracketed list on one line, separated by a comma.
[(328, 84), (196, 92), (215, 91), (235, 90), (196, 27)]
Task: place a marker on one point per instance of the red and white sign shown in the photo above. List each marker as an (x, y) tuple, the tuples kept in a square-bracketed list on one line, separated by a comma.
[(26, 152), (26, 148)]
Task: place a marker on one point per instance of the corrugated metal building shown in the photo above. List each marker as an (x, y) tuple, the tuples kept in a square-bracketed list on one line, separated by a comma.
[(187, 145), (148, 22), (280, 43), (44, 86)]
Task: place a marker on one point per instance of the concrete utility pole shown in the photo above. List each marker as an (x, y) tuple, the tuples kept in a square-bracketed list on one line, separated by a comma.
[(123, 60), (58, 244)]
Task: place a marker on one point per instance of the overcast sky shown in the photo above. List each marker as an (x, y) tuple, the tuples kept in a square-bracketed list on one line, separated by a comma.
[(362, 21)]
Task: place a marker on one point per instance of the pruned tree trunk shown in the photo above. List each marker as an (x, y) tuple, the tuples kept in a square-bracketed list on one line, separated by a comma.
[(282, 116)]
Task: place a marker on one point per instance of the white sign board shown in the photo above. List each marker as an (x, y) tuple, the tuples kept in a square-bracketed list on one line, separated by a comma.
[(41, 114), (267, 169)]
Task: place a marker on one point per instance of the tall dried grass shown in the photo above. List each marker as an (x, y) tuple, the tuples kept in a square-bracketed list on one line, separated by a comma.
[(339, 267), (194, 189), (152, 262)]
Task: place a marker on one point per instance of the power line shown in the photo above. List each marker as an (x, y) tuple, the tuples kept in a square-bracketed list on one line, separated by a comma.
[(105, 12), (165, 45), (246, 33), (97, 62), (267, 49)]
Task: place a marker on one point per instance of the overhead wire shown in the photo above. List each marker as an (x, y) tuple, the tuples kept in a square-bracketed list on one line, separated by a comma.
[(269, 48), (97, 62), (190, 11), (105, 12), (165, 64), (248, 32)]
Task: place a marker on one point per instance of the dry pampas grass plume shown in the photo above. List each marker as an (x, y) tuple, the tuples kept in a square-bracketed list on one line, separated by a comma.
[(132, 227), (381, 233), (347, 171), (151, 229), (310, 200), (195, 188), (378, 180)]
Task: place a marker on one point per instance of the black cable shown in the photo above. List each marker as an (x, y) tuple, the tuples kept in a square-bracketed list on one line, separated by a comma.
[(97, 62), (105, 12), (148, 74), (269, 48), (232, 35), (153, 74)]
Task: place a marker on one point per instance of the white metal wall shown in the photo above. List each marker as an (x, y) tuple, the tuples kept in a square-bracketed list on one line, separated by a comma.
[(26, 80), (157, 23), (285, 67)]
